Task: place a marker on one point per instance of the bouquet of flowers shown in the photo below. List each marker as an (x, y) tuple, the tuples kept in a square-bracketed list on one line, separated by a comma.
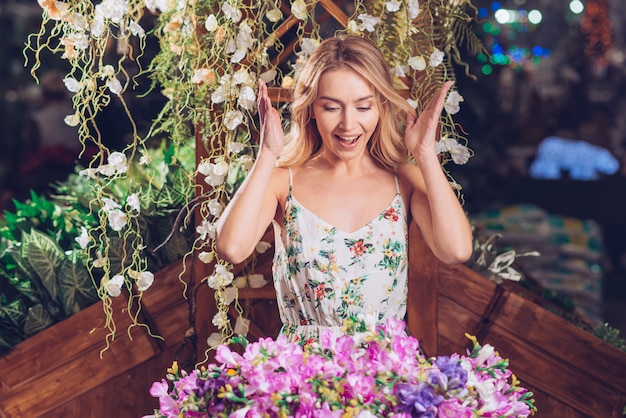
[(365, 373)]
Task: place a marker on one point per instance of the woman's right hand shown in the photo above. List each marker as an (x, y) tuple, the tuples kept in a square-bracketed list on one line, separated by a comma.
[(271, 131)]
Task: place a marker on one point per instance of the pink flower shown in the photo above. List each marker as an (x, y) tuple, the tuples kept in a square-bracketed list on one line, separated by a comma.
[(452, 408)]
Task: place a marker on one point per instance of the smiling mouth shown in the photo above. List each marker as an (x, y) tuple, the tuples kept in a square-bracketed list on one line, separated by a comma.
[(348, 139)]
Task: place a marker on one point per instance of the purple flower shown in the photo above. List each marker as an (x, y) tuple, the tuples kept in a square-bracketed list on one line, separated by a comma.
[(455, 374), (420, 401)]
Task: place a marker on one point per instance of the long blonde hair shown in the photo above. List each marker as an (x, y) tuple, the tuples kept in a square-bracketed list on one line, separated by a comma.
[(363, 57)]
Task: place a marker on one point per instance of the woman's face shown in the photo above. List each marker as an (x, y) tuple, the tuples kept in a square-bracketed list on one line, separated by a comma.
[(346, 113)]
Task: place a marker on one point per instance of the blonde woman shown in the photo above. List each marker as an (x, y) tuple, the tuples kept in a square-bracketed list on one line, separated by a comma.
[(340, 192)]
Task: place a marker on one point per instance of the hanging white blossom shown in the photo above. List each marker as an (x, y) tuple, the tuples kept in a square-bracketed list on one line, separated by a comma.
[(220, 278), (436, 58), (413, 7), (231, 12), (133, 201), (368, 22), (393, 5), (417, 63), (206, 230), (211, 24), (114, 285), (232, 119), (84, 238), (117, 219), (298, 10), (145, 280), (453, 101)]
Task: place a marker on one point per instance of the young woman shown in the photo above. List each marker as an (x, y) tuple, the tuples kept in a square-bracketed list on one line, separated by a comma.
[(340, 192)]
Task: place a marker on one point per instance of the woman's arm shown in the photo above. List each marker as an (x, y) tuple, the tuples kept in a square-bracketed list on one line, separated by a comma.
[(434, 205), (247, 216)]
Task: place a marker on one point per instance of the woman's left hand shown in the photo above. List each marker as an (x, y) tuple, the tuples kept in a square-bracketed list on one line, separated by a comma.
[(421, 132)]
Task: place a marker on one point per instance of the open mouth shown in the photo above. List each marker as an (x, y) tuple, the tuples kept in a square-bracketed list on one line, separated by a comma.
[(348, 139)]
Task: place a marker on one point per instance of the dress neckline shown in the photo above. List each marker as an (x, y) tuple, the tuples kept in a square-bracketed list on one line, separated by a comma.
[(356, 231)]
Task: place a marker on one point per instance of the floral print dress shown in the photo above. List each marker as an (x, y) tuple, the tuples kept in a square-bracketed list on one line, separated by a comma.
[(323, 275)]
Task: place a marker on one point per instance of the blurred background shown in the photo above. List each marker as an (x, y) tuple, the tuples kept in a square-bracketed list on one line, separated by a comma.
[(544, 112)]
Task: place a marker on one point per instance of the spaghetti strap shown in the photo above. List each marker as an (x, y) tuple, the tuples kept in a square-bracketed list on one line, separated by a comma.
[(290, 178), (395, 177)]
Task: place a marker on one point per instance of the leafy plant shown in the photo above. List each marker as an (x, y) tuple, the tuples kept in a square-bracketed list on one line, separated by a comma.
[(45, 273)]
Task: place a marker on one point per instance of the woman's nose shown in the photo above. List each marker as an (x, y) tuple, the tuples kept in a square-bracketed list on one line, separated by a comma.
[(347, 119)]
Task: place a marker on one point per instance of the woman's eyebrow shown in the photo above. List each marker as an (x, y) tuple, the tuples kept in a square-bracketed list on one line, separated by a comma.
[(332, 99)]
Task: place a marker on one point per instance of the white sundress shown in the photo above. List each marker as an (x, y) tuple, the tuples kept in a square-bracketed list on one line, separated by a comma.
[(323, 275)]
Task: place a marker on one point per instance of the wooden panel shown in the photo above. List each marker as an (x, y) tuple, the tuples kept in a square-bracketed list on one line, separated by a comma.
[(64, 361), (570, 343), (469, 288), (454, 321), (563, 381), (124, 396), (422, 290)]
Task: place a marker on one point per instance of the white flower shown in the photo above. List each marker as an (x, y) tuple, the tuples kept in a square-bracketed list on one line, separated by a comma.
[(460, 154), (393, 5), (417, 63), (240, 282), (452, 105), (206, 229), (56, 10), (232, 119), (231, 12), (109, 204), (256, 280), (242, 76), (84, 238), (88, 172), (206, 257), (413, 103), (246, 162), (106, 170), (353, 27), (308, 46), (244, 42), (268, 76), (215, 207), (117, 219), (220, 320), (236, 147), (160, 5), (145, 158), (298, 9), (114, 286), (72, 120), (413, 7), (72, 84), (229, 294), (78, 21), (133, 202), (368, 22), (211, 23), (214, 339), (114, 85), (136, 29), (247, 98), (203, 76), (220, 278), (262, 247), (436, 58), (118, 161), (100, 261), (274, 15), (399, 70), (145, 280)]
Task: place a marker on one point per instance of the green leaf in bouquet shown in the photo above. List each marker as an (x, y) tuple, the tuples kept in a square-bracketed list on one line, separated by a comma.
[(76, 287), (37, 319)]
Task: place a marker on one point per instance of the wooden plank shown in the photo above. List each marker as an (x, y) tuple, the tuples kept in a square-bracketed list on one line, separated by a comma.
[(466, 286), (566, 341), (126, 395), (561, 380), (422, 291), (454, 321), (63, 362)]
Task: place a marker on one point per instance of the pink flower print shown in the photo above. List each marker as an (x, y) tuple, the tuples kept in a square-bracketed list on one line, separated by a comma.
[(391, 214), (358, 248), (320, 291)]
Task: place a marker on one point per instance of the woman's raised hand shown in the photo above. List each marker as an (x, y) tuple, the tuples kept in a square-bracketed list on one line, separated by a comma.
[(272, 135), (421, 132)]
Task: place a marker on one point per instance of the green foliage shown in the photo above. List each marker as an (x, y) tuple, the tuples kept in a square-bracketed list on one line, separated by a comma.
[(45, 276)]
